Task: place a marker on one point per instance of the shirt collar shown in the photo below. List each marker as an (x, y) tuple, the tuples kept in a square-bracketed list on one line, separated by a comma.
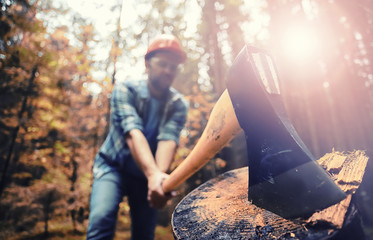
[(145, 93)]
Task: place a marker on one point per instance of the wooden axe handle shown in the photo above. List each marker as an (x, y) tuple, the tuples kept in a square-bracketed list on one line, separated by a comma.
[(221, 128)]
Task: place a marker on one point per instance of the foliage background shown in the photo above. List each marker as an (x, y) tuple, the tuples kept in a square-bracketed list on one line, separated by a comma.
[(57, 71)]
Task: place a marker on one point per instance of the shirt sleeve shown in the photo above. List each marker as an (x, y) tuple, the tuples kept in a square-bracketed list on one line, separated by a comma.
[(175, 122), (123, 111)]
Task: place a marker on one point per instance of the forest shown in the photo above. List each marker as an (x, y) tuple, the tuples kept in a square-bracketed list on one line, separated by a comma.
[(58, 66)]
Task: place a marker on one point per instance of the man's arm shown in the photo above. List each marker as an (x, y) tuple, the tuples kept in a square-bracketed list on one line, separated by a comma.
[(143, 157), (141, 152), (165, 154)]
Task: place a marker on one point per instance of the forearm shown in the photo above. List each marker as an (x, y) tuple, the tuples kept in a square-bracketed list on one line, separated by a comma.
[(141, 152), (143, 157), (165, 154)]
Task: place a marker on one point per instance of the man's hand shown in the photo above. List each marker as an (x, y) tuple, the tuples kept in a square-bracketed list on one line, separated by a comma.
[(156, 197), (143, 157)]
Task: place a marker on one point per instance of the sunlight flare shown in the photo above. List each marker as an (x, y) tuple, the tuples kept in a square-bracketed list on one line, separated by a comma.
[(300, 43)]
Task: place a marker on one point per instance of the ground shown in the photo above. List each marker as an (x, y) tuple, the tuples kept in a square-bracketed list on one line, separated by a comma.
[(59, 230)]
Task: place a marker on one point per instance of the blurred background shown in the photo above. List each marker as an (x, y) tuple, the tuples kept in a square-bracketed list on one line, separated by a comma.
[(60, 59)]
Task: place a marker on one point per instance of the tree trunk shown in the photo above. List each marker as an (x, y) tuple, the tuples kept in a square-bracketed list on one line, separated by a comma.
[(216, 59), (16, 130), (219, 209)]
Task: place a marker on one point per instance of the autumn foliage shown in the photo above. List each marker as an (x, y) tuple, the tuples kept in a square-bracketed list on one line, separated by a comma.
[(54, 104)]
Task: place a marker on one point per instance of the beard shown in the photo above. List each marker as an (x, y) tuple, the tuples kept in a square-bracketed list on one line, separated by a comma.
[(161, 83)]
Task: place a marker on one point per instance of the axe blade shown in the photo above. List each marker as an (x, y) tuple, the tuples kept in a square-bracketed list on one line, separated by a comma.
[(284, 177)]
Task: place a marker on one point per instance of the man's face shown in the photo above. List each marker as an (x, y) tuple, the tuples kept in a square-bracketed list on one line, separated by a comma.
[(162, 69)]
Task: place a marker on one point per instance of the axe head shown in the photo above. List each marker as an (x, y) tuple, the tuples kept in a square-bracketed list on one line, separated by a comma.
[(283, 175)]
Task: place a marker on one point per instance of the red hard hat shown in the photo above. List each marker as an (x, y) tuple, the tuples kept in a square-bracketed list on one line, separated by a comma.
[(167, 43)]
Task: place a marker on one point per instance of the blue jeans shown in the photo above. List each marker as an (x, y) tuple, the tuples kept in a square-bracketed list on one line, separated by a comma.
[(107, 192)]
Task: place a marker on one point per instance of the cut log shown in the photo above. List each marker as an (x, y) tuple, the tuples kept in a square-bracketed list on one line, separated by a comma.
[(219, 208)]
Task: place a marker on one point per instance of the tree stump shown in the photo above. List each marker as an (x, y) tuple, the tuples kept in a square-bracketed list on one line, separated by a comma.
[(219, 208)]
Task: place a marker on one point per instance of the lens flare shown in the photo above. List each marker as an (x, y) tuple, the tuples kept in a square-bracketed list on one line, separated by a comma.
[(300, 43)]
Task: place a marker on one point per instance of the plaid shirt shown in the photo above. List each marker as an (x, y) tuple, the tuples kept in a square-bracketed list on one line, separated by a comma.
[(131, 109)]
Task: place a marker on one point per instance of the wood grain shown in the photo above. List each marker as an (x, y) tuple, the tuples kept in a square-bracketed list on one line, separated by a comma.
[(219, 209)]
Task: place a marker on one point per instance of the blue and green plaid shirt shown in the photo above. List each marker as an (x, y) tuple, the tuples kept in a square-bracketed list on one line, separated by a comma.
[(132, 107)]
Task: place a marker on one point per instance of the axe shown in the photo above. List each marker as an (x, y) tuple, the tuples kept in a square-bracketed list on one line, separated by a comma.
[(284, 177)]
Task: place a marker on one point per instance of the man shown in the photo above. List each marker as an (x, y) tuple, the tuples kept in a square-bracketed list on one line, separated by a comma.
[(146, 120)]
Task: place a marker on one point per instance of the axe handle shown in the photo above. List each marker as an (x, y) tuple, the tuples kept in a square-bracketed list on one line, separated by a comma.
[(221, 128)]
